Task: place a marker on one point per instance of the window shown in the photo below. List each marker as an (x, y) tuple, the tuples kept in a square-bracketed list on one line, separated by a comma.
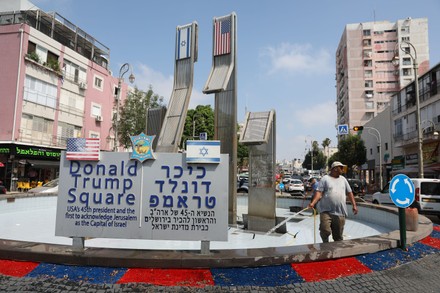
[(367, 42), (368, 94), (406, 71), (40, 92), (404, 29), (405, 39), (66, 130), (407, 50), (367, 33), (96, 110), (386, 146), (36, 129), (368, 73), (74, 72), (368, 63), (406, 61), (98, 83), (368, 83), (371, 151), (369, 105)]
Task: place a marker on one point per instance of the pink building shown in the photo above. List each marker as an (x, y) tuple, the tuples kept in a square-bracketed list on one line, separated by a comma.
[(54, 84), (366, 78)]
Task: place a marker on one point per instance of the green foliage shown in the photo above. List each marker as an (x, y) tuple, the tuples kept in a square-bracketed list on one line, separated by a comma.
[(351, 151), (53, 64), (133, 114), (33, 56), (318, 158), (200, 119)]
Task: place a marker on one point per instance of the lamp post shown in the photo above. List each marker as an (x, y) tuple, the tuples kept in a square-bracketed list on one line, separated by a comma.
[(311, 151), (194, 124), (416, 88), (379, 141), (123, 70)]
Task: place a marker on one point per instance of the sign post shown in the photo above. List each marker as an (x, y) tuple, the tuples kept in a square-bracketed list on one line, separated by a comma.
[(402, 193)]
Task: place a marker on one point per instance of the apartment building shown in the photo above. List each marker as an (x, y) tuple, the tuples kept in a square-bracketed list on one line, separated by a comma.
[(405, 129), (54, 84), (366, 77)]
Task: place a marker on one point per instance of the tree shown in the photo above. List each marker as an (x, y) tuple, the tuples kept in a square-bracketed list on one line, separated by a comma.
[(318, 158), (133, 114), (351, 152), (200, 119)]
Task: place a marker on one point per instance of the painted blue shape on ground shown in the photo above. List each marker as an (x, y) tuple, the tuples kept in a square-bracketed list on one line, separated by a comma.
[(93, 275), (435, 234), (391, 258), (262, 276)]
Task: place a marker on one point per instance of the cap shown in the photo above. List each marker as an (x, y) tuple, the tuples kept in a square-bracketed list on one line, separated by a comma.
[(337, 164)]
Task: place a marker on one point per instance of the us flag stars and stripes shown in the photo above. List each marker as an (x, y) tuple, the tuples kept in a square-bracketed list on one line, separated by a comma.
[(83, 149), (222, 37)]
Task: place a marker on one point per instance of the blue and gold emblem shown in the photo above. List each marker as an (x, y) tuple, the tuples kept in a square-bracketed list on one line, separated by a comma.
[(142, 147)]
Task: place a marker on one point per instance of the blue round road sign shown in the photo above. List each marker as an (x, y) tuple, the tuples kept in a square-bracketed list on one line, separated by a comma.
[(402, 191), (281, 186)]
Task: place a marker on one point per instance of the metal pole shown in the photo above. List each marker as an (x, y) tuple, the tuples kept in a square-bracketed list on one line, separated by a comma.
[(123, 70), (419, 126), (379, 140), (402, 226)]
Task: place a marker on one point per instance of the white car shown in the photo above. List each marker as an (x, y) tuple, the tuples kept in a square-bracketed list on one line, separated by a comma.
[(293, 185), (427, 195), (49, 187)]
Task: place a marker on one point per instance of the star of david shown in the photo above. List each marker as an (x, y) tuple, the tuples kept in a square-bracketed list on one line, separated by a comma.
[(183, 43), (203, 151)]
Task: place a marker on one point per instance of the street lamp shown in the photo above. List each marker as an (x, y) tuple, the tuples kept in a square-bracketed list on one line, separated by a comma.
[(194, 123), (435, 133), (396, 62), (123, 70), (311, 151), (379, 141)]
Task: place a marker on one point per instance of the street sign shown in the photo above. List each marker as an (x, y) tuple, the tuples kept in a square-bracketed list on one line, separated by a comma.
[(343, 129), (281, 187), (402, 191)]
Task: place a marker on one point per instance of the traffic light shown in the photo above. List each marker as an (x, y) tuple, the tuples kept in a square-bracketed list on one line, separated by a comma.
[(358, 128)]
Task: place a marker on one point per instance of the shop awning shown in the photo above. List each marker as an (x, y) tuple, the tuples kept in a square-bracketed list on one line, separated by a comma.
[(43, 163)]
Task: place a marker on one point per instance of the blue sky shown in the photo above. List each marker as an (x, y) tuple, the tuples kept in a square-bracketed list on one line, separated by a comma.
[(285, 59)]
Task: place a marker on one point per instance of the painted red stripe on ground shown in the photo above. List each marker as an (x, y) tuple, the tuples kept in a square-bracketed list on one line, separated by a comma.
[(169, 277), (436, 228), (431, 241), (16, 268), (332, 269)]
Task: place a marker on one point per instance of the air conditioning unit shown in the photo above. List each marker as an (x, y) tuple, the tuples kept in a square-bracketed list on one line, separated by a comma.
[(83, 85), (98, 118)]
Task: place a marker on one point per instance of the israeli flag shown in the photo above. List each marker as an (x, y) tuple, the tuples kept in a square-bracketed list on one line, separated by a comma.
[(183, 46), (203, 151)]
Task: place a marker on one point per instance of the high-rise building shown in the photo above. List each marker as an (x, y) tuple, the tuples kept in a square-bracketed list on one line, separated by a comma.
[(54, 84), (366, 77)]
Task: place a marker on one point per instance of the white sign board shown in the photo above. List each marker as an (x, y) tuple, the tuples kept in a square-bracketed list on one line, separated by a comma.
[(164, 199)]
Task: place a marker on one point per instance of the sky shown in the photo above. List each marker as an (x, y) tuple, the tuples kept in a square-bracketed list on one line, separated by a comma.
[(285, 51)]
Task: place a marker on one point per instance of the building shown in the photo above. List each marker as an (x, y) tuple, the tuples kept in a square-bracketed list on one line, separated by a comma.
[(405, 129), (365, 75), (55, 84)]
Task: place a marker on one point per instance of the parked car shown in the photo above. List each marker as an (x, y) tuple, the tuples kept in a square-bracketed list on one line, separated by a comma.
[(427, 195), (357, 186), (49, 187), (293, 185)]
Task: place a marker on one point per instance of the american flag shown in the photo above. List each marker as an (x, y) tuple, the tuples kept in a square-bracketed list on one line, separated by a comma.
[(83, 149), (222, 37)]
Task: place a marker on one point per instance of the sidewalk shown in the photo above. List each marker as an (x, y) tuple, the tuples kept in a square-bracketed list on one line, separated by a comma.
[(392, 270)]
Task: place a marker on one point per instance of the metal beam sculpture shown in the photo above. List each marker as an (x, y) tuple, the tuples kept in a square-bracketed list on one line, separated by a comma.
[(259, 134), (222, 82), (174, 121)]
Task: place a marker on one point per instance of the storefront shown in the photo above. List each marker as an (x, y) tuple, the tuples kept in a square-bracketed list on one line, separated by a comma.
[(28, 165)]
